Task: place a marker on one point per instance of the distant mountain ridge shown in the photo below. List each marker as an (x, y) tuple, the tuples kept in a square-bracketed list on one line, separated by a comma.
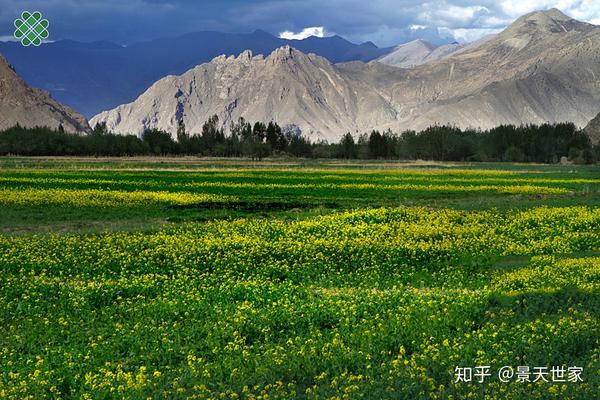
[(92, 77), (29, 107), (418, 52), (542, 68)]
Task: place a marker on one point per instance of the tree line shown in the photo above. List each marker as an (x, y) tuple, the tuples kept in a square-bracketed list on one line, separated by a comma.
[(545, 143)]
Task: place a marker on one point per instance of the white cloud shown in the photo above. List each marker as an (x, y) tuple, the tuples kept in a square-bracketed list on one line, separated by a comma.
[(466, 35), (469, 23), (459, 14), (317, 31), (391, 22), (8, 38), (447, 15), (584, 10)]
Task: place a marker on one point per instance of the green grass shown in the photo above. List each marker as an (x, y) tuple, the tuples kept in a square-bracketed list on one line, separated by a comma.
[(283, 189), (210, 279)]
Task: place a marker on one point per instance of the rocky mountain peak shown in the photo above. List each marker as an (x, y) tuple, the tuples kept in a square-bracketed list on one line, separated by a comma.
[(245, 58), (552, 13), (283, 53), (245, 55), (547, 22), (219, 59)]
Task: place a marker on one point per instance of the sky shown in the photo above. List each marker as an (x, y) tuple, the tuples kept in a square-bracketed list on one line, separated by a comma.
[(383, 22)]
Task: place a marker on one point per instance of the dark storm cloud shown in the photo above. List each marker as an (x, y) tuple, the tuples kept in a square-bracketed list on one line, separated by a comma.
[(384, 22)]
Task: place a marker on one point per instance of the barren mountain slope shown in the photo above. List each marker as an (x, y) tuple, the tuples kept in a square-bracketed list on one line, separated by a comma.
[(409, 54), (418, 52), (593, 129), (30, 107), (544, 67), (287, 86)]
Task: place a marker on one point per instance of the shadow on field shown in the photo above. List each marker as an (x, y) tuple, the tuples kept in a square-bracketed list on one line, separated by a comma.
[(530, 306), (543, 320), (254, 206)]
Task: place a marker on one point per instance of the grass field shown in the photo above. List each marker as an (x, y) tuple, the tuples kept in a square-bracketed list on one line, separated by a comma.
[(188, 278)]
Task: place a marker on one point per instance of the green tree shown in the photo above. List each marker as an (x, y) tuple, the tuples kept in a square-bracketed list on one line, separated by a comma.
[(513, 154), (100, 129), (377, 145), (349, 148), (182, 137), (274, 137), (212, 134), (300, 147), (159, 142)]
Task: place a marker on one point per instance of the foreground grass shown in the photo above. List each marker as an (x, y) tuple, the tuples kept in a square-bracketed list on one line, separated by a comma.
[(296, 282), (380, 303)]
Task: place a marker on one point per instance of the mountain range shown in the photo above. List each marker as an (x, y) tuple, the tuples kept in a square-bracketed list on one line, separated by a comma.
[(92, 77), (543, 68)]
